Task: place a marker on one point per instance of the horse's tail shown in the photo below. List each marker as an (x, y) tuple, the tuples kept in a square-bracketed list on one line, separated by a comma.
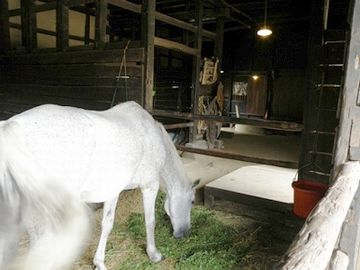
[(59, 220)]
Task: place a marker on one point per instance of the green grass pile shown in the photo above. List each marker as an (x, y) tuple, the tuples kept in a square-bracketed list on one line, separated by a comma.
[(213, 244)]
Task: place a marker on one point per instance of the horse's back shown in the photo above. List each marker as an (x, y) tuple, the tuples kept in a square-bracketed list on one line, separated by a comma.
[(96, 152)]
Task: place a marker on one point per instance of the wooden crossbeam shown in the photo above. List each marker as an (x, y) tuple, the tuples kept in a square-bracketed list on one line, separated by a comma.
[(172, 45), (73, 5), (162, 17), (50, 33), (257, 122)]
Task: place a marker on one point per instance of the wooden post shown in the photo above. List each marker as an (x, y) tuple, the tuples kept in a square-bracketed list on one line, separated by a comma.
[(348, 139), (87, 29), (199, 9), (100, 22), (62, 25), (147, 40), (28, 24), (314, 244), (4, 27), (218, 51)]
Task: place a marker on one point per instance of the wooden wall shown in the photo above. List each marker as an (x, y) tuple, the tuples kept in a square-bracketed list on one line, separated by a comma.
[(85, 79)]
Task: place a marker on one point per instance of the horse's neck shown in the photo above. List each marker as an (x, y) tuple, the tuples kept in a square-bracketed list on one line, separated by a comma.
[(173, 173)]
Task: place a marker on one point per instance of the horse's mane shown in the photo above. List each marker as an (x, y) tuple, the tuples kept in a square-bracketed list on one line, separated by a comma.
[(174, 159)]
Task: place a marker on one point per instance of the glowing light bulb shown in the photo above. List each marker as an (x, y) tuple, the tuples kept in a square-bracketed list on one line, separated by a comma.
[(264, 32)]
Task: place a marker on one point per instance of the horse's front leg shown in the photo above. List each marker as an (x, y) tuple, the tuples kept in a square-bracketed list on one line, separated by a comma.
[(106, 227), (149, 198)]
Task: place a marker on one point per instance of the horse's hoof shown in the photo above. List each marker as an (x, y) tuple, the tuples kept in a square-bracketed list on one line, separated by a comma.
[(99, 266), (156, 257)]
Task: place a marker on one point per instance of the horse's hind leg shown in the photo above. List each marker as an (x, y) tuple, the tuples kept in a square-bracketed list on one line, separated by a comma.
[(149, 198), (106, 227)]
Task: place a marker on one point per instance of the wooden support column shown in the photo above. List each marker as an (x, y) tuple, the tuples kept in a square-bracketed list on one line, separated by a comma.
[(87, 29), (62, 25), (28, 24), (4, 27), (219, 42), (199, 9), (348, 137), (147, 40), (101, 14)]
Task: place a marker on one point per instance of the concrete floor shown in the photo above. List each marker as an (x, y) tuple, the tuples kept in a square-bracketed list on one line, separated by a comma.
[(261, 181)]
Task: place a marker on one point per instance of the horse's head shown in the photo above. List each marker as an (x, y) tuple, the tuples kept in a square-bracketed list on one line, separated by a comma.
[(178, 205)]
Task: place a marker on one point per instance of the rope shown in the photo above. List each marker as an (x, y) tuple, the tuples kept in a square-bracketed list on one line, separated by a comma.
[(118, 77)]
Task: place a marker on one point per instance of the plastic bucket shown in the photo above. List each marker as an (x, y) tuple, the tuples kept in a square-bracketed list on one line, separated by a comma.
[(306, 195)]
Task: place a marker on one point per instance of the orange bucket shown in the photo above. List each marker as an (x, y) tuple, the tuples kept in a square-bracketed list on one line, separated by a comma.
[(306, 195)]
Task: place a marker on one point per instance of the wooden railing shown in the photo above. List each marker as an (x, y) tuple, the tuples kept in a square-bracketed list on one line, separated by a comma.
[(315, 245)]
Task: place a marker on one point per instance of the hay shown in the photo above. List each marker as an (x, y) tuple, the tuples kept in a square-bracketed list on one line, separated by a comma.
[(218, 241)]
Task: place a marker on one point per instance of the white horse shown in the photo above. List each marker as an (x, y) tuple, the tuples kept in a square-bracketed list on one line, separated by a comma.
[(73, 156)]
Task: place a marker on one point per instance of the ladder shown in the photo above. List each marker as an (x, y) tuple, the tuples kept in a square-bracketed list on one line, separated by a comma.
[(323, 102)]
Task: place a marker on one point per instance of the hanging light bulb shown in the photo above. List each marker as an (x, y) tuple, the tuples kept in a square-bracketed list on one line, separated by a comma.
[(264, 31)]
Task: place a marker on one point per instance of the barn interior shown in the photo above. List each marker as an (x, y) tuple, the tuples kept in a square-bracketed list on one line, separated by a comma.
[(249, 114)]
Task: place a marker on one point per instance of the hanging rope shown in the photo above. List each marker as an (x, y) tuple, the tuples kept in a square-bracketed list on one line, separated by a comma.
[(118, 77)]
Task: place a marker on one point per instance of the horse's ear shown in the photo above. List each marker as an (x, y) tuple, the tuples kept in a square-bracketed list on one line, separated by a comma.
[(197, 181)]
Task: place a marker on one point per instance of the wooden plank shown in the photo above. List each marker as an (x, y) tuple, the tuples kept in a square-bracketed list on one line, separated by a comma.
[(258, 122), (95, 71), (93, 56), (314, 245), (161, 17), (4, 27), (210, 194), (147, 37), (176, 46), (33, 78), (49, 32), (179, 125), (62, 25), (101, 14), (18, 92), (28, 22), (52, 5), (236, 156)]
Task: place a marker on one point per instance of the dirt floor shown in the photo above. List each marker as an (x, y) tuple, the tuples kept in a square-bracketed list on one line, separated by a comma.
[(267, 236)]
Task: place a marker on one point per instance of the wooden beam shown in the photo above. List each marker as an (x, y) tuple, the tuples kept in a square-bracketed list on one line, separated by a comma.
[(199, 9), (147, 38), (172, 45), (188, 15), (219, 42), (101, 13), (183, 25), (62, 25), (49, 32), (87, 30), (314, 244), (4, 27), (257, 122), (236, 156), (179, 125), (52, 5), (28, 22), (161, 17)]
